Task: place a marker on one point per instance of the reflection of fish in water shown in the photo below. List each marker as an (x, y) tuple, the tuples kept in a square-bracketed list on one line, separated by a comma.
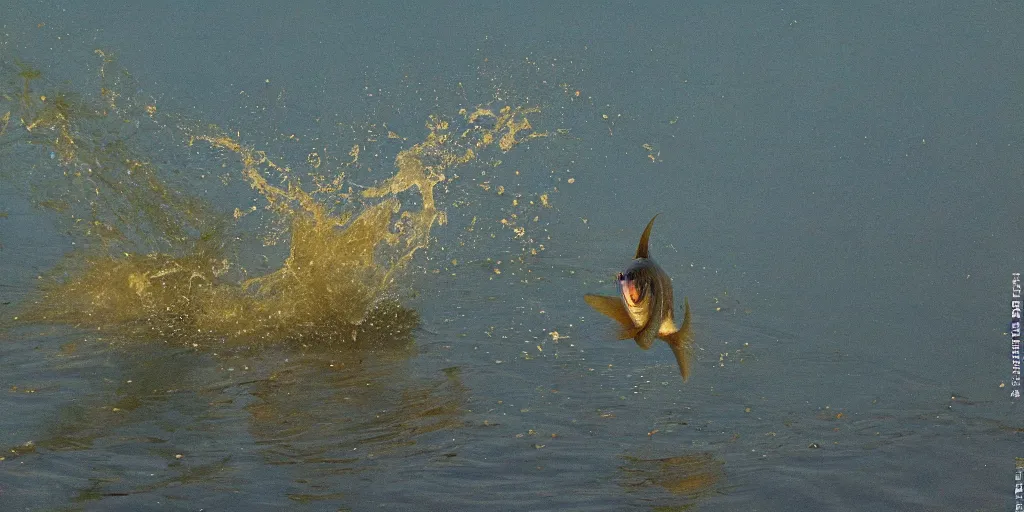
[(644, 307), (692, 476)]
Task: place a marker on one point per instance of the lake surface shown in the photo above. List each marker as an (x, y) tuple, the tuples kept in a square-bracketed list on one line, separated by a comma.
[(328, 256)]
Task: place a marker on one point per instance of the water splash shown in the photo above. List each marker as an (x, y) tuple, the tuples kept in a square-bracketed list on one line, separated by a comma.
[(161, 259)]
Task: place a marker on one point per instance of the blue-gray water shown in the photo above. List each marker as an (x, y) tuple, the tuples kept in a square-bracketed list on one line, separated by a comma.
[(839, 188)]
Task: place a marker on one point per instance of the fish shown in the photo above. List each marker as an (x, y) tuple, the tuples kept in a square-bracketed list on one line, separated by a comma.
[(644, 308)]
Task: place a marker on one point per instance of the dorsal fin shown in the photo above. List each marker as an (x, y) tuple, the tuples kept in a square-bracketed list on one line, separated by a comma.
[(641, 250)]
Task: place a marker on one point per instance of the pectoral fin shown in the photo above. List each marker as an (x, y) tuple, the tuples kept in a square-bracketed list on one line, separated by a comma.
[(612, 307)]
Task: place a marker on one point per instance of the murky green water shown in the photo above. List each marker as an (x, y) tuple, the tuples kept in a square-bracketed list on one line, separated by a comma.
[(333, 257)]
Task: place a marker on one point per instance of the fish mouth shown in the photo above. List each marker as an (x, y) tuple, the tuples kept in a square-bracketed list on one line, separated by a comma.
[(630, 293)]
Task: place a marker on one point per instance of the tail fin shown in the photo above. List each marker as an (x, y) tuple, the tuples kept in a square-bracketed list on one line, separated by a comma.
[(681, 343)]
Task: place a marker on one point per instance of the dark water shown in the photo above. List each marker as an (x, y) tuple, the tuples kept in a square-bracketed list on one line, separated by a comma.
[(839, 189)]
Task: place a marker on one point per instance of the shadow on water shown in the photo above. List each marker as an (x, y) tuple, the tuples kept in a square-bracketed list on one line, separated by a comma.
[(317, 414), (350, 421), (688, 479)]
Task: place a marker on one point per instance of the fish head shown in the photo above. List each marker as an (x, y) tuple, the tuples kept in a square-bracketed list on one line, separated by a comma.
[(637, 286)]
